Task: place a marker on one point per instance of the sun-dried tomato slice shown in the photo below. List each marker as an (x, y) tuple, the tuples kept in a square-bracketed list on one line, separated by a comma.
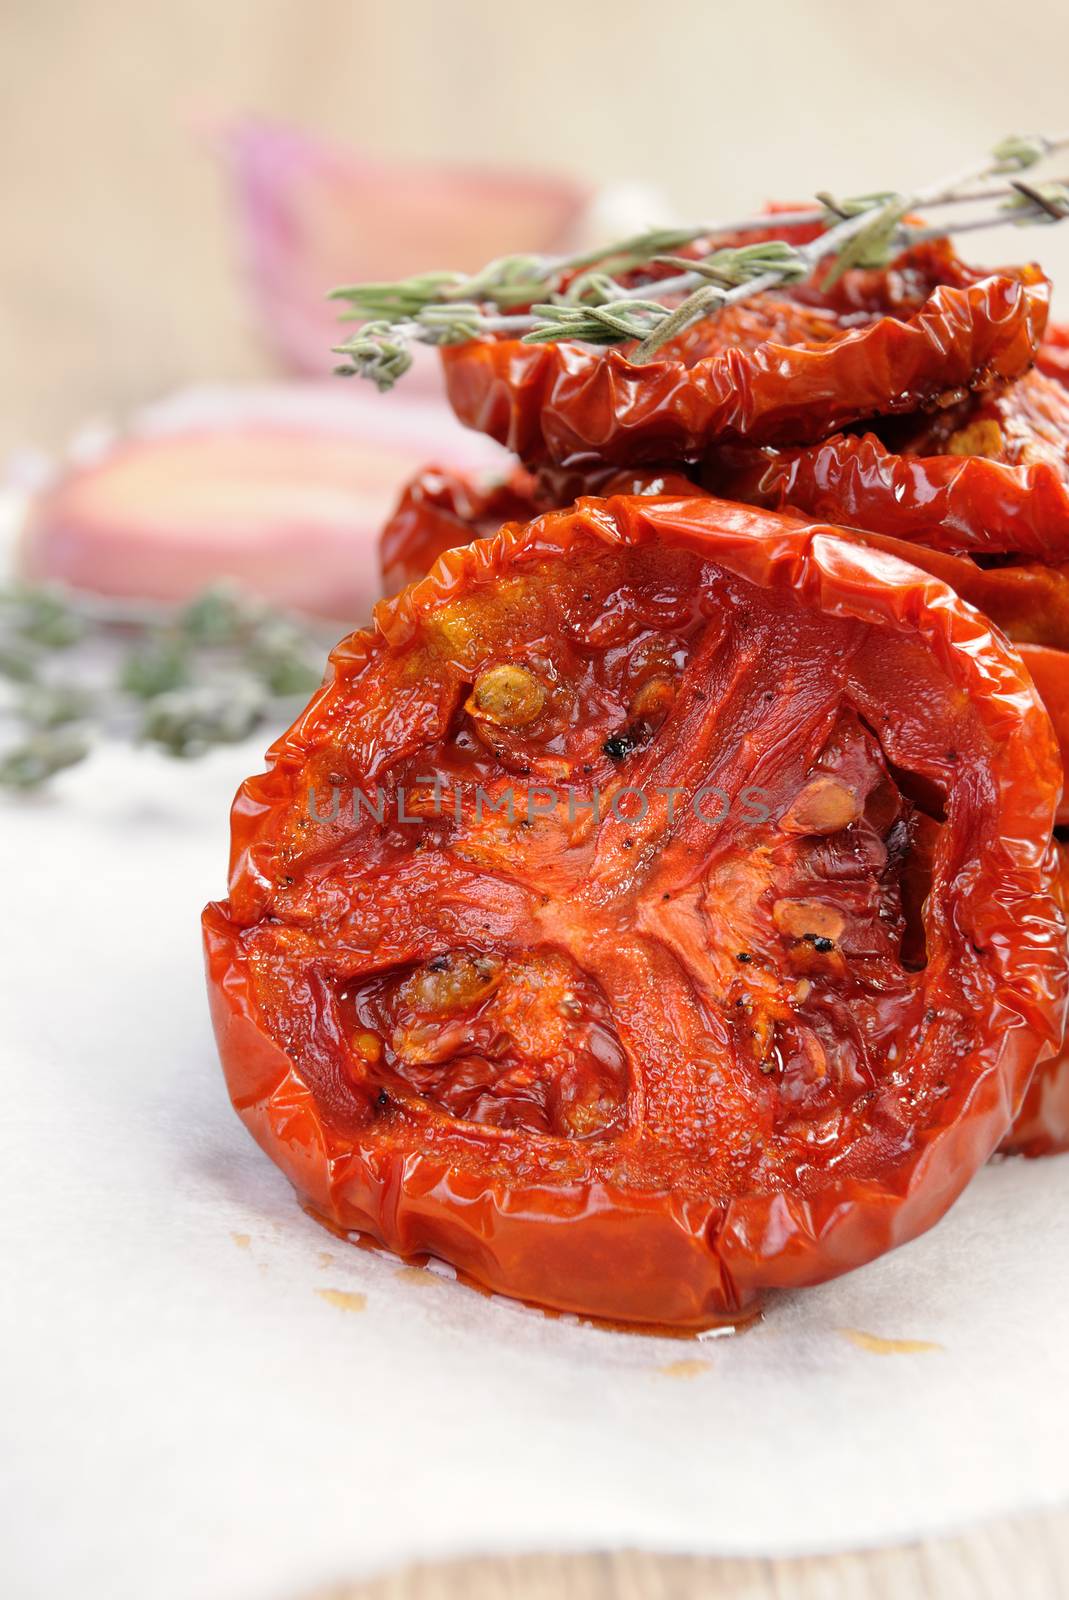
[(1030, 603), (786, 368), (440, 510), (756, 1021), (988, 476)]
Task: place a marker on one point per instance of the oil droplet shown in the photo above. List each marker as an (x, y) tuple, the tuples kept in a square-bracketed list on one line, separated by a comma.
[(688, 1368), (344, 1299), (242, 1240), (877, 1346), (417, 1275), (325, 1258)]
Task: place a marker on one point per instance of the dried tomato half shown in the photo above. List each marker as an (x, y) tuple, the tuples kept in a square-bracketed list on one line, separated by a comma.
[(439, 510), (787, 367), (653, 908), (989, 476)]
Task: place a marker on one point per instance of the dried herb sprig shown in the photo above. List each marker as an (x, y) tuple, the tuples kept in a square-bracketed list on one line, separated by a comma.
[(76, 669), (582, 297)]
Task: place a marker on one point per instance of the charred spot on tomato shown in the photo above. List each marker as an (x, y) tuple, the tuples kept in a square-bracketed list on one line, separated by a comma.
[(634, 736), (518, 1041), (618, 746)]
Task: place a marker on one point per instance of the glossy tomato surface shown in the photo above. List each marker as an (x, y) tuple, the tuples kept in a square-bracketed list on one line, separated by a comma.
[(989, 476), (440, 510), (684, 925), (787, 367), (1042, 1125), (1053, 354), (1029, 602)]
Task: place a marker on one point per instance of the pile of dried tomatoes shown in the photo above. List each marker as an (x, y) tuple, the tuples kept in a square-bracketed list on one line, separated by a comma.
[(662, 900)]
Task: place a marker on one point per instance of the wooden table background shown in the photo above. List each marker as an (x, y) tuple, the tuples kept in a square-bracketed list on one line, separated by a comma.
[(1027, 1559), (117, 283)]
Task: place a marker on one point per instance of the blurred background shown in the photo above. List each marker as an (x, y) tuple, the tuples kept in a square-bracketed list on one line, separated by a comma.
[(120, 260), (183, 185)]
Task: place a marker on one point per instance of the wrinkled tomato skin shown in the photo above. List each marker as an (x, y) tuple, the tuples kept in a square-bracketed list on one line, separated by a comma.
[(586, 1248), (935, 487), (1030, 603), (440, 510), (1049, 671), (1053, 356), (771, 377), (546, 1225), (1031, 606), (1042, 1124)]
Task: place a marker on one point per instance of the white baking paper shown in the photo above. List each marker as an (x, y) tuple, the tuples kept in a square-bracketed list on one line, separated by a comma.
[(196, 1404)]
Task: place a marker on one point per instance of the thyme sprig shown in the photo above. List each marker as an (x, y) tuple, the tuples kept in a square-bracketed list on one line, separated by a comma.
[(76, 670), (619, 292)]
